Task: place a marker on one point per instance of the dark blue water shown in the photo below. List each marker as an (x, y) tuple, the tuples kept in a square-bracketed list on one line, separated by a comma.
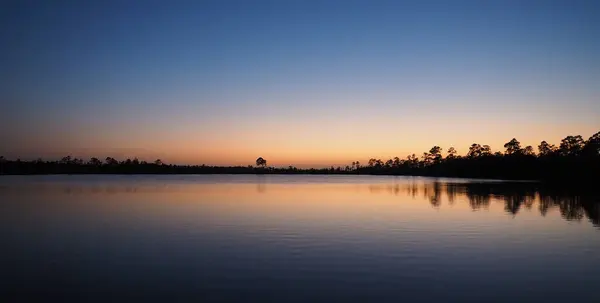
[(295, 239)]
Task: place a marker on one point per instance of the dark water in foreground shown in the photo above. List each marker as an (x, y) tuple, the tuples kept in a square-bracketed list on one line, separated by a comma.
[(295, 239)]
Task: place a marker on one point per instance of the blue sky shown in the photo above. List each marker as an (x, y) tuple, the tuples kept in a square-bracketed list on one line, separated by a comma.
[(305, 82)]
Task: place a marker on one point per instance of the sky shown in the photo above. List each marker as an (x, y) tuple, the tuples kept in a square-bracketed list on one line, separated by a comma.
[(304, 83)]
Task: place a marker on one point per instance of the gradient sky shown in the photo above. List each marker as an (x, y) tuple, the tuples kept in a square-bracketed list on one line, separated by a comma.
[(306, 83)]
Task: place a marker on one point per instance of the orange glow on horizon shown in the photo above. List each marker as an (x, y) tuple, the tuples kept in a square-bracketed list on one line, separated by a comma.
[(311, 146)]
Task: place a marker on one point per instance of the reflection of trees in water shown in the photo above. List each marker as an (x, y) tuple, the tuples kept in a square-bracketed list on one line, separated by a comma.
[(451, 192), (546, 203), (515, 197), (261, 182), (435, 198), (414, 189), (479, 197), (529, 201), (592, 210), (572, 205), (512, 203), (396, 189), (571, 208)]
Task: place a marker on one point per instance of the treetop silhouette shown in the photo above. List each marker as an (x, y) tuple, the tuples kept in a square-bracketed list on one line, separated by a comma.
[(575, 160)]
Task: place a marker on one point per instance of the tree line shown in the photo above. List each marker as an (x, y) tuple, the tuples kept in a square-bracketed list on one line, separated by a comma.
[(574, 159)]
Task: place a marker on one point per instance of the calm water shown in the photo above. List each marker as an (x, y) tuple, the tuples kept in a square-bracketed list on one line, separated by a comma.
[(295, 239)]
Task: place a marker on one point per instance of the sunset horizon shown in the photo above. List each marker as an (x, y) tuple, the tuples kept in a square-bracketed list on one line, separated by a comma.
[(314, 84), (274, 159)]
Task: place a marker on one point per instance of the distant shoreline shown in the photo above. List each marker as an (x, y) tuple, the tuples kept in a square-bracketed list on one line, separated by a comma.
[(518, 168), (575, 160)]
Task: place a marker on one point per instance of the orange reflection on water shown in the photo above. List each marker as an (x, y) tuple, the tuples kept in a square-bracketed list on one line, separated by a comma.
[(266, 201)]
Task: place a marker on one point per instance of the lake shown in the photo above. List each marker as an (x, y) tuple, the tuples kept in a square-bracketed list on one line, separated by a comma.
[(295, 238)]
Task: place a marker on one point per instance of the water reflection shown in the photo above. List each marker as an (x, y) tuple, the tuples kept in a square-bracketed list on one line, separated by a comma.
[(295, 239), (573, 205)]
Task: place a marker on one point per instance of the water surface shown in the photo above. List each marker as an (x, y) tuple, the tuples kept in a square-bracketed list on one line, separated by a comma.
[(295, 239)]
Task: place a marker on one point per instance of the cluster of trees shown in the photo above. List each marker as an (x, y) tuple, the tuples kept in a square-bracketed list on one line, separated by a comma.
[(571, 146), (573, 159)]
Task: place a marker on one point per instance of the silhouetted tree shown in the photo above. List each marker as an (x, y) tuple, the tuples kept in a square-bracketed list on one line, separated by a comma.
[(389, 163), (528, 151), (95, 161), (375, 163), (513, 147), (486, 150), (111, 161), (425, 159), (592, 146), (66, 160), (474, 151), (412, 161), (545, 149), (435, 154), (261, 162), (158, 162), (451, 153), (571, 145)]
